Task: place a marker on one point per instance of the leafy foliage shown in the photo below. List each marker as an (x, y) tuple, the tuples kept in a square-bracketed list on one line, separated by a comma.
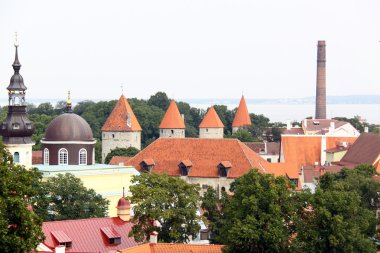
[(64, 197), (258, 218), (169, 200), (20, 228), (130, 152)]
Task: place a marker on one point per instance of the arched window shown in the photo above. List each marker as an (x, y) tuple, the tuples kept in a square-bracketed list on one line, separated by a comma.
[(82, 156), (16, 157), (63, 156), (46, 156)]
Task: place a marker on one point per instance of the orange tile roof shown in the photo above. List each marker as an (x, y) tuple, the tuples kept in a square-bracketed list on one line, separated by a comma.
[(204, 154), (172, 118), (299, 150), (242, 117), (173, 248), (117, 121), (211, 120), (116, 160)]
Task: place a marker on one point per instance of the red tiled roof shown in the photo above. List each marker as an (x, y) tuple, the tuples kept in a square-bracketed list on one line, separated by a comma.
[(187, 163), (87, 236), (37, 157), (172, 118), (303, 150), (211, 120), (258, 147), (312, 172), (242, 117), (116, 160), (320, 125), (174, 248), (293, 130), (366, 149), (204, 154), (117, 121)]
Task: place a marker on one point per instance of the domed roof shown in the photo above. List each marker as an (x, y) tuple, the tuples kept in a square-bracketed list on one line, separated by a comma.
[(68, 127), (123, 203)]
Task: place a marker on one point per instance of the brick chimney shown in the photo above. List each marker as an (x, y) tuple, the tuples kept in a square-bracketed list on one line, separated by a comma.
[(320, 100)]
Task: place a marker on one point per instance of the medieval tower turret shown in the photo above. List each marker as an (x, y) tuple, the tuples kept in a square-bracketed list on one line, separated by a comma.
[(242, 118), (172, 125), (17, 129), (121, 129), (211, 126)]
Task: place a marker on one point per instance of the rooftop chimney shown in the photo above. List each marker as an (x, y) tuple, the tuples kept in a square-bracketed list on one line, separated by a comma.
[(60, 249), (153, 237), (288, 124), (320, 101)]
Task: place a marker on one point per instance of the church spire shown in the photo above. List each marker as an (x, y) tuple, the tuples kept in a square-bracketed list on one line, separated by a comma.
[(17, 82), (69, 108)]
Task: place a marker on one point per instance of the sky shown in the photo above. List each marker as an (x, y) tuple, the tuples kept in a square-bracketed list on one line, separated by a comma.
[(190, 49)]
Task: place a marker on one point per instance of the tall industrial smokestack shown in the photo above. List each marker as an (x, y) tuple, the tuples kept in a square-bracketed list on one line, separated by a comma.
[(320, 101)]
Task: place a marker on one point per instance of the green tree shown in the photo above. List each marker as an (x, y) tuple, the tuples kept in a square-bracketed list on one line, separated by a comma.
[(334, 221), (64, 197), (20, 228), (130, 152), (213, 207), (258, 218), (169, 200), (160, 99), (243, 135)]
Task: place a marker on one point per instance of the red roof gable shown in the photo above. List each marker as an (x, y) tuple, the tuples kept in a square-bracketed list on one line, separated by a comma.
[(242, 117), (122, 118), (172, 118), (211, 120), (89, 235), (205, 156)]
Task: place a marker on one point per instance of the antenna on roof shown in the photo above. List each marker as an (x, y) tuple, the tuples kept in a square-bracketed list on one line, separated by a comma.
[(122, 89)]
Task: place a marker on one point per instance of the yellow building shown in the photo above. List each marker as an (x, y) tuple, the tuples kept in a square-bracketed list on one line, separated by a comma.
[(106, 180)]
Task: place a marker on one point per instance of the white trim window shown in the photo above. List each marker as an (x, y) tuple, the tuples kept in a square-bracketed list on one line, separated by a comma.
[(63, 156), (46, 156), (82, 156)]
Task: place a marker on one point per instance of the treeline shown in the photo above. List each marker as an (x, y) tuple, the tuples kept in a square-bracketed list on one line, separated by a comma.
[(150, 113)]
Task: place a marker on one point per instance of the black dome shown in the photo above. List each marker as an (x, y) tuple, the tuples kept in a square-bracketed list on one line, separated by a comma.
[(68, 127)]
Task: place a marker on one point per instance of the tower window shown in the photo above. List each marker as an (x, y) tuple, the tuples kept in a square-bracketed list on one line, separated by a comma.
[(172, 131), (46, 156), (28, 126), (16, 157), (83, 157), (16, 126), (113, 136), (63, 156)]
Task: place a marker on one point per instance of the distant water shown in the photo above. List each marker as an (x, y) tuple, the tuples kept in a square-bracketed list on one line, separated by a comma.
[(297, 112)]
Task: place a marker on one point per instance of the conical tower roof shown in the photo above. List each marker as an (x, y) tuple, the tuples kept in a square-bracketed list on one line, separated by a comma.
[(122, 118), (172, 118), (211, 120), (242, 117)]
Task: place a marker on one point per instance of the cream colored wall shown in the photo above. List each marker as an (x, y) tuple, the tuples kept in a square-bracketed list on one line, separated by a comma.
[(112, 140), (336, 156), (107, 182), (25, 151), (217, 183), (211, 133), (172, 133), (235, 129), (274, 158)]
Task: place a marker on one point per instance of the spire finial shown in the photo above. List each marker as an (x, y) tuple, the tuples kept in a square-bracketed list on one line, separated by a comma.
[(16, 64), (123, 192), (16, 42), (68, 103), (122, 89)]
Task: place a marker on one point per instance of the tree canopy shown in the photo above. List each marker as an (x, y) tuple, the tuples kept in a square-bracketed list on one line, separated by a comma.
[(64, 197), (20, 228), (168, 200), (130, 152)]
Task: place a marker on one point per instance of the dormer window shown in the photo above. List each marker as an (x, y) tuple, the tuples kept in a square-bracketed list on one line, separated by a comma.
[(28, 126), (224, 167), (316, 123), (129, 122), (112, 235), (294, 181), (62, 238), (184, 167), (147, 165), (16, 126)]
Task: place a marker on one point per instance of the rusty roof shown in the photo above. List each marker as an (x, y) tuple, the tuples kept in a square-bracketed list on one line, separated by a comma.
[(204, 154), (172, 118), (122, 118), (211, 120), (242, 117), (173, 248)]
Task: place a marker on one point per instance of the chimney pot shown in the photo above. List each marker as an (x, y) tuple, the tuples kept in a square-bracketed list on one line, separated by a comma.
[(60, 249), (153, 237), (288, 124), (366, 129)]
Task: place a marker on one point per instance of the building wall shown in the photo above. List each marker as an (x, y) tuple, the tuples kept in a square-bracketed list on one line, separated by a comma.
[(211, 133), (172, 133), (25, 153), (217, 183), (73, 153), (336, 156), (112, 140), (273, 158), (107, 182), (235, 129)]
